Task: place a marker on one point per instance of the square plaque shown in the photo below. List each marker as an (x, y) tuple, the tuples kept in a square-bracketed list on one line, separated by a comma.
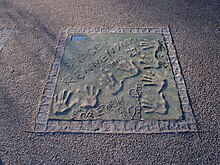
[(121, 80)]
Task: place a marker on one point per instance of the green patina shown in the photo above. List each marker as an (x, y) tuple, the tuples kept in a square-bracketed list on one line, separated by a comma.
[(115, 77)]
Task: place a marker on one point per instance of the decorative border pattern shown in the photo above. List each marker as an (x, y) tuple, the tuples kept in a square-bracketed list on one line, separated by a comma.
[(44, 124)]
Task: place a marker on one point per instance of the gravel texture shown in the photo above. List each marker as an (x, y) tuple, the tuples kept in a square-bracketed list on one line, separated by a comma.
[(27, 55)]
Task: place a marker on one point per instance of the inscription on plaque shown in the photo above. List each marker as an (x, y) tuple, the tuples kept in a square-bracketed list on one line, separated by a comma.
[(104, 81), (115, 77)]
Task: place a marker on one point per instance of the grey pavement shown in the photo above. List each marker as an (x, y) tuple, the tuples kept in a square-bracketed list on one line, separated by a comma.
[(25, 61)]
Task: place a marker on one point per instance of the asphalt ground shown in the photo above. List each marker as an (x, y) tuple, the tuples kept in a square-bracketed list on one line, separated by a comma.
[(27, 55)]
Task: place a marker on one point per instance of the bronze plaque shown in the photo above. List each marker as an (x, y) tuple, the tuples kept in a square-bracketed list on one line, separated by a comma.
[(121, 80)]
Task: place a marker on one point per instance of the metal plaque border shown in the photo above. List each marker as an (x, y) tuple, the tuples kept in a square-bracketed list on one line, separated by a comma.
[(42, 123)]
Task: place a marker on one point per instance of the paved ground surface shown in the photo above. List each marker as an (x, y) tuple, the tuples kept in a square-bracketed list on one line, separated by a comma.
[(27, 55)]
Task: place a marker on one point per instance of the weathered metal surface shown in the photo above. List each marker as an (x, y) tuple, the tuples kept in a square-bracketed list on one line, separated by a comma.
[(124, 80)]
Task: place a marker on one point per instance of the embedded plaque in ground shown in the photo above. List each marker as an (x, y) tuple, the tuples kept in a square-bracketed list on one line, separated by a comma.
[(123, 80)]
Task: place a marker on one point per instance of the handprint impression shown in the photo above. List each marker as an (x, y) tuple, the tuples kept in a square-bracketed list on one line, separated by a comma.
[(127, 66), (159, 58), (159, 106), (109, 81), (115, 83), (153, 80), (64, 102), (89, 100)]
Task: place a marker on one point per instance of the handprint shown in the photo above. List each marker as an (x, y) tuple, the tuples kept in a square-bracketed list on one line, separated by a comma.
[(151, 80), (126, 66), (146, 45), (154, 80), (159, 106), (159, 58), (90, 98), (64, 102), (150, 63), (109, 81)]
